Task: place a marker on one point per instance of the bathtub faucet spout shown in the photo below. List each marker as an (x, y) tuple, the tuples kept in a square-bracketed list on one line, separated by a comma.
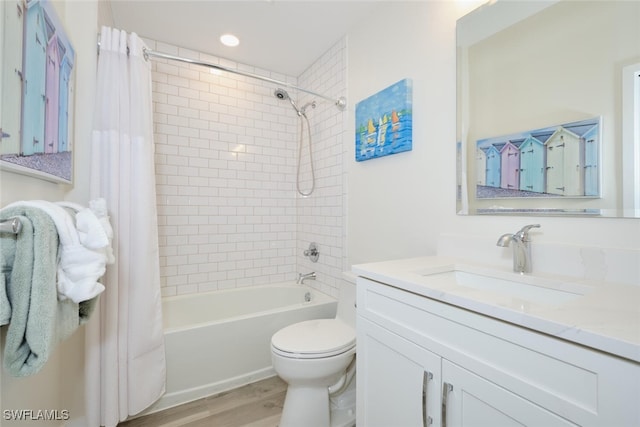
[(303, 277)]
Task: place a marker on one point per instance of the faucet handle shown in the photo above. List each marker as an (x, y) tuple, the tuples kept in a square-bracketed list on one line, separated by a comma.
[(312, 252), (524, 231)]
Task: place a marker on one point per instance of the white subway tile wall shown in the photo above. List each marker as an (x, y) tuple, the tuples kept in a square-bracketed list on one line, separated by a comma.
[(321, 218), (226, 154)]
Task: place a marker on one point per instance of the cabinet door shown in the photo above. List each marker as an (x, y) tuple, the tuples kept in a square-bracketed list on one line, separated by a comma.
[(470, 400), (398, 382)]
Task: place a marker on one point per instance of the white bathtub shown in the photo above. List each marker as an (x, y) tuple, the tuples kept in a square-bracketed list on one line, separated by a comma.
[(220, 340)]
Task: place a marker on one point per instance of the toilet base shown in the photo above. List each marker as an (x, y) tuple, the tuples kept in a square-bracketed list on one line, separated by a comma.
[(337, 411), (305, 406)]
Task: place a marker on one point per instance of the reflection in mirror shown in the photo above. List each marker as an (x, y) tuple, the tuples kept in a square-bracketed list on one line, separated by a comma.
[(549, 108)]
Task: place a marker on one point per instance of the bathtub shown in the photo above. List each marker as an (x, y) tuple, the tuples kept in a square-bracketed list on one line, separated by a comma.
[(220, 340)]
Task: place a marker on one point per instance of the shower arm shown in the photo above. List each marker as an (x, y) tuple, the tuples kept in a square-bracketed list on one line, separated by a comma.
[(340, 103)]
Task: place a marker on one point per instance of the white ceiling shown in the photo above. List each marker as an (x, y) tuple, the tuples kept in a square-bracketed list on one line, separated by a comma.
[(275, 35)]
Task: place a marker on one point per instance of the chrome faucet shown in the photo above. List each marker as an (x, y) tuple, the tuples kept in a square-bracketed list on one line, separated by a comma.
[(521, 248), (303, 277)]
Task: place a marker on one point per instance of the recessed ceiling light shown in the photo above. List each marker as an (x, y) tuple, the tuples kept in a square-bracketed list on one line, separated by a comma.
[(229, 40)]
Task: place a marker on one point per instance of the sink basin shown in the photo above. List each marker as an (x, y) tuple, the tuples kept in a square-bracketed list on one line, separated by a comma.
[(522, 287)]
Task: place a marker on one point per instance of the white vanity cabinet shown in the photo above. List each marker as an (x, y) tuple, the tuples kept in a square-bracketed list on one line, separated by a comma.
[(425, 363), (399, 382)]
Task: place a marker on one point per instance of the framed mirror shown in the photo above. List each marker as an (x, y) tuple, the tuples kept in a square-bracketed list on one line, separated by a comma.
[(548, 109)]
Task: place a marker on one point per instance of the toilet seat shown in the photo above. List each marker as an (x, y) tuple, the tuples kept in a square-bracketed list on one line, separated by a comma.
[(314, 339)]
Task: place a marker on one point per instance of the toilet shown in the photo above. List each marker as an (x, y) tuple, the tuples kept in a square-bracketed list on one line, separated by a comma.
[(316, 358)]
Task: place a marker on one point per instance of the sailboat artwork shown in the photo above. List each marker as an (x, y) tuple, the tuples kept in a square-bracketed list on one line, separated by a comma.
[(384, 122)]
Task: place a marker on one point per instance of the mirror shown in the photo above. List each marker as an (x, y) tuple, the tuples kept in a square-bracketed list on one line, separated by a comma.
[(548, 109)]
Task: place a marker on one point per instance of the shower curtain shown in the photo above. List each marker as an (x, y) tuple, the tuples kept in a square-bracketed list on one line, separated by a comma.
[(125, 359)]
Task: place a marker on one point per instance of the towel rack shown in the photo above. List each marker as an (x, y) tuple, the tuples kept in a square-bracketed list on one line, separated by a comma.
[(11, 225)]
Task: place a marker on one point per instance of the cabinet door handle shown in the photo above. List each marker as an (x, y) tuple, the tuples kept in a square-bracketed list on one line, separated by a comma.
[(446, 388), (426, 419)]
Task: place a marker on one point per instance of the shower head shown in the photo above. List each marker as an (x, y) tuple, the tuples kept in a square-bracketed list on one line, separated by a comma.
[(281, 94)]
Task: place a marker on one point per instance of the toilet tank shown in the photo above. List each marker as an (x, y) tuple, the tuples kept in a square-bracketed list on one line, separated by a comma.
[(347, 299)]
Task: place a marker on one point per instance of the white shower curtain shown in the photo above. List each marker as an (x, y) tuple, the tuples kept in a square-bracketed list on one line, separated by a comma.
[(125, 359)]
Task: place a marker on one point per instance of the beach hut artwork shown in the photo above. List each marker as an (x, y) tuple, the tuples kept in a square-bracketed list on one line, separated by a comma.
[(561, 160), (37, 140), (481, 167), (384, 122)]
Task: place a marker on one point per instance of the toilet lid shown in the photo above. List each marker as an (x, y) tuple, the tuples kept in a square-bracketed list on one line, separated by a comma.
[(319, 338)]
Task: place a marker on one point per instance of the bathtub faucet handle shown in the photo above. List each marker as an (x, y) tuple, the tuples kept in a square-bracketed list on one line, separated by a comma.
[(303, 277), (312, 252)]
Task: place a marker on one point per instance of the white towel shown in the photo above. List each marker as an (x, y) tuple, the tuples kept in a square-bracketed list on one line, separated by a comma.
[(94, 229), (79, 267)]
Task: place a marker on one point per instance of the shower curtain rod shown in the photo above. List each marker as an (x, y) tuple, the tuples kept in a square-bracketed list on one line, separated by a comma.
[(340, 103)]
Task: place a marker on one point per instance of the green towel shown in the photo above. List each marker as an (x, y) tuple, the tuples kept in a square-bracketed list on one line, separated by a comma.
[(28, 298), (6, 261)]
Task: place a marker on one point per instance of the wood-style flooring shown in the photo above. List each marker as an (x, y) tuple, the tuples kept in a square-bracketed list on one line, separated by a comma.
[(254, 405)]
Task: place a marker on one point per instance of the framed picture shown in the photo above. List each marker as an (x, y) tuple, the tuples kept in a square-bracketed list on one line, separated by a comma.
[(37, 92), (556, 161), (384, 122)]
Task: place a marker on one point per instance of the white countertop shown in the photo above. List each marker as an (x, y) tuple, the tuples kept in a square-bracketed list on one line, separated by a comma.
[(606, 317)]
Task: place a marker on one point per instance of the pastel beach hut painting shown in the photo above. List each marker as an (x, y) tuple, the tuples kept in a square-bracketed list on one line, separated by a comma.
[(560, 160), (384, 122), (44, 99)]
